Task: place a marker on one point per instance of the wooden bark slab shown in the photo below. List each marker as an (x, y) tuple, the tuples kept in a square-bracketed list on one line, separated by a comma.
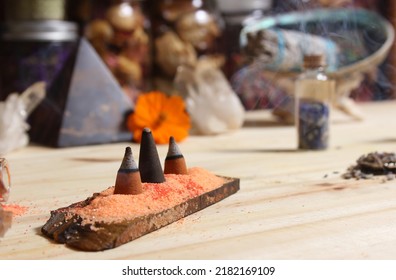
[(66, 227)]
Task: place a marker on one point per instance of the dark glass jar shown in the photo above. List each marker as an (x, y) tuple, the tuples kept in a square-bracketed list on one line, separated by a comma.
[(120, 33), (32, 51), (35, 43)]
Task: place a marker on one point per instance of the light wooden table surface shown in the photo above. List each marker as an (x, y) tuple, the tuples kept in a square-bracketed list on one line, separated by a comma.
[(292, 204)]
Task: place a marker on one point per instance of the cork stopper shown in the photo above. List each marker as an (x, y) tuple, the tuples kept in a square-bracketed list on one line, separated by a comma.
[(128, 177), (149, 162), (174, 161), (314, 61)]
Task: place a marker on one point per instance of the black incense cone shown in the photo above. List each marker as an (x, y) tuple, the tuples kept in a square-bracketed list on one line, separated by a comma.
[(149, 162), (174, 161), (128, 177)]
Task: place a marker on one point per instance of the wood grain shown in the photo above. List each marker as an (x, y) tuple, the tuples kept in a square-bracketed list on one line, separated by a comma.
[(291, 205)]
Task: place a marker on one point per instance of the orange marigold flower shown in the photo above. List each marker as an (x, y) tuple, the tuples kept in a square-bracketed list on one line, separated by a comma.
[(165, 116)]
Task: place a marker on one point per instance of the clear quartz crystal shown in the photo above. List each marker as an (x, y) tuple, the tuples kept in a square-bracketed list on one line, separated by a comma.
[(13, 114), (314, 92), (211, 102), (32, 97)]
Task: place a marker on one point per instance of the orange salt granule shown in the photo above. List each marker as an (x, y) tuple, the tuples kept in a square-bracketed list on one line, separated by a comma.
[(205, 178), (156, 197)]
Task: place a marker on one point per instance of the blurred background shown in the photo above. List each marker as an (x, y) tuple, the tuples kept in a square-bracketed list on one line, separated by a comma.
[(134, 42), (169, 45)]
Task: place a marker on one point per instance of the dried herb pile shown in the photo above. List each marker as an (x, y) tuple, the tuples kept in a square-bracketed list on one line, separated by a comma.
[(373, 164)]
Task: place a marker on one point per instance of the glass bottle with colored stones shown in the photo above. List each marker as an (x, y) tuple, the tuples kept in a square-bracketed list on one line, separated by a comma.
[(314, 92), (183, 32)]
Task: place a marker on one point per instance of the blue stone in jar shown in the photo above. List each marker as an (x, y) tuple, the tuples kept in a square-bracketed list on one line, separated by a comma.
[(313, 125)]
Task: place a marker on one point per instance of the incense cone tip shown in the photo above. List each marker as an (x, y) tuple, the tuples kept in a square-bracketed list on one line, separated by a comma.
[(128, 162), (173, 149), (146, 130)]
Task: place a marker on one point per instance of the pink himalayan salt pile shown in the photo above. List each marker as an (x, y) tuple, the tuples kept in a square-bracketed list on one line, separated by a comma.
[(15, 209), (109, 207)]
